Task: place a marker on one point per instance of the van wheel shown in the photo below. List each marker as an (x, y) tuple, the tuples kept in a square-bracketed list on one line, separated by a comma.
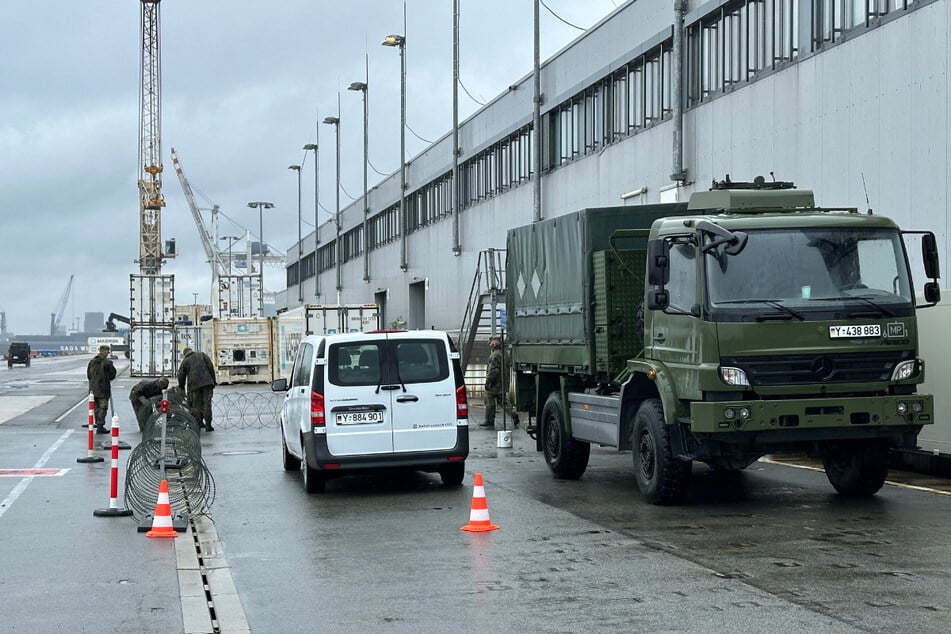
[(290, 462), (660, 477), (857, 469), (566, 457), (453, 474), (314, 481)]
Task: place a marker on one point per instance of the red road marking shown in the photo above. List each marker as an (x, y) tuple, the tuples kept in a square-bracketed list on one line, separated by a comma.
[(22, 473)]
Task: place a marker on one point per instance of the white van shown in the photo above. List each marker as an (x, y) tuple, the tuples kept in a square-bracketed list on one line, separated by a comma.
[(370, 400)]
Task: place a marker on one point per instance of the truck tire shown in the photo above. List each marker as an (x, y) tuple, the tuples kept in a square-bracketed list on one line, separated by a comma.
[(857, 469), (566, 457), (661, 478)]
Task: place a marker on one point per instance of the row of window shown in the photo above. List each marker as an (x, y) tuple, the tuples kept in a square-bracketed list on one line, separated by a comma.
[(731, 45)]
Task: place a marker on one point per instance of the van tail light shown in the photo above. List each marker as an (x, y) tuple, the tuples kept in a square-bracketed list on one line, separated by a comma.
[(318, 417), (462, 402)]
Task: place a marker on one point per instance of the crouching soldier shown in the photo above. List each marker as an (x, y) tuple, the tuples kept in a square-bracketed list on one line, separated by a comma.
[(141, 394)]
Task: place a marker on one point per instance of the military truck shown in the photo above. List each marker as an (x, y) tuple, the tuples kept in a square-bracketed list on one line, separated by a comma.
[(746, 322), (19, 352)]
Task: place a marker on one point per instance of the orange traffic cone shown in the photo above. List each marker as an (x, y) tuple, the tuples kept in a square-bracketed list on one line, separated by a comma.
[(162, 519), (479, 515)]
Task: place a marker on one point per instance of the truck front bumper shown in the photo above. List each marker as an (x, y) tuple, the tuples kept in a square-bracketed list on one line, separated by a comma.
[(907, 411)]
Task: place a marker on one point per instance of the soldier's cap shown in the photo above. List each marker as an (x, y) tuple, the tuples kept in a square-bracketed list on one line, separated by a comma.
[(186, 352), (163, 382), (104, 348)]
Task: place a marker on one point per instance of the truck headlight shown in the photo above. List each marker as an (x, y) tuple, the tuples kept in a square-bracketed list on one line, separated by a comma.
[(905, 370), (734, 376)]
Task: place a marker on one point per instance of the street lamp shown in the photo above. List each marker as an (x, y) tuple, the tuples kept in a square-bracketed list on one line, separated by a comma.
[(400, 41), (362, 87), (314, 147), (335, 122), (261, 206), (231, 240), (300, 240)]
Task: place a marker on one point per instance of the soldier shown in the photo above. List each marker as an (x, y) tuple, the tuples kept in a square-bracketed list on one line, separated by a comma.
[(496, 384), (140, 396), (199, 372), (100, 373)]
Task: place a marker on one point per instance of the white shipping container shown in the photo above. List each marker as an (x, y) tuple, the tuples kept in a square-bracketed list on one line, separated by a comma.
[(318, 319), (243, 350), (152, 299), (152, 351)]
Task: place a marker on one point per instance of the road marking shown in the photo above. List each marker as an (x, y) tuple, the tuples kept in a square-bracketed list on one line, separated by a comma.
[(70, 411), (13, 406), (25, 482), (22, 473), (913, 487)]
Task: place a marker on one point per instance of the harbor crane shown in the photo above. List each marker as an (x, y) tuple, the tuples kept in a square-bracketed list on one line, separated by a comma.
[(150, 144), (56, 319)]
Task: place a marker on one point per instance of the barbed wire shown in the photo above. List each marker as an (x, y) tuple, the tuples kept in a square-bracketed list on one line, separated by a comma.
[(248, 410)]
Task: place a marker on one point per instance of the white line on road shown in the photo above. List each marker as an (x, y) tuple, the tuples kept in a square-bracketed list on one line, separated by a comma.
[(85, 400), (913, 487), (25, 482)]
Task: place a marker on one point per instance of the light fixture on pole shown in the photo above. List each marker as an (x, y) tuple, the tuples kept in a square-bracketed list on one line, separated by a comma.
[(300, 240), (400, 42), (362, 87), (308, 147), (231, 240), (261, 206), (335, 122)]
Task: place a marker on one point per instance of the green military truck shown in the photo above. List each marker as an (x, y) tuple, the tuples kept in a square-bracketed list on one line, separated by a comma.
[(746, 322)]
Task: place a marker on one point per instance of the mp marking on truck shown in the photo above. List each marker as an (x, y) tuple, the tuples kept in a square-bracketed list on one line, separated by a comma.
[(896, 329), (855, 331)]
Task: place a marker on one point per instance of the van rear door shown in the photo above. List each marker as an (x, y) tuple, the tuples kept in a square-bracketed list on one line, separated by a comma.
[(357, 398), (424, 411)]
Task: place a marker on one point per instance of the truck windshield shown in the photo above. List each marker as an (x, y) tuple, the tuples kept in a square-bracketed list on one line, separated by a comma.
[(810, 267)]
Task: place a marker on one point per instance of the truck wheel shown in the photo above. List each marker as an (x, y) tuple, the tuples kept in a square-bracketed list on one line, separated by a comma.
[(314, 481), (566, 457), (661, 478), (290, 462), (857, 469)]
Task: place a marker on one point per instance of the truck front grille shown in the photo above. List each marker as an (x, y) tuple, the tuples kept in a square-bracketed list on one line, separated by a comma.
[(800, 369)]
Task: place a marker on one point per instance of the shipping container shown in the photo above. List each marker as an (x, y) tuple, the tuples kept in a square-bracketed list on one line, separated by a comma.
[(243, 350), (318, 319)]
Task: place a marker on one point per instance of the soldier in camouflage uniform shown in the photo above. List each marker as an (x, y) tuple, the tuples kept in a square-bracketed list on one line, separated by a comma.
[(100, 373), (496, 380), (198, 372), (141, 394)]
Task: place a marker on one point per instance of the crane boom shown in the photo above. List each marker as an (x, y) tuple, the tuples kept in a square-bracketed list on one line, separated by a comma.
[(56, 319), (150, 143), (207, 240)]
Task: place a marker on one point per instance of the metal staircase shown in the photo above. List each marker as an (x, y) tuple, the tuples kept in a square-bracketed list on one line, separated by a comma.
[(486, 304)]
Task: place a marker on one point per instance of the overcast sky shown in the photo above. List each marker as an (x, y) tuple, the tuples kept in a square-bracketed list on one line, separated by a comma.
[(244, 84)]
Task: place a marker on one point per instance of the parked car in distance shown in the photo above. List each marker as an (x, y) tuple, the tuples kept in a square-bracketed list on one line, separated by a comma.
[(19, 352), (371, 400)]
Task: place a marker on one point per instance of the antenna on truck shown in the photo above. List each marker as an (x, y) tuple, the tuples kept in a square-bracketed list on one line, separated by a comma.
[(865, 187)]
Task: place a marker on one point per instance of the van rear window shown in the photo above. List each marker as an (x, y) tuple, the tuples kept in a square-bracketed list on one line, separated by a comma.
[(387, 362)]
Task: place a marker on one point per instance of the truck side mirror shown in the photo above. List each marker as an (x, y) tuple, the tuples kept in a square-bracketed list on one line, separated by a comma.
[(932, 293), (658, 262), (658, 299), (929, 254)]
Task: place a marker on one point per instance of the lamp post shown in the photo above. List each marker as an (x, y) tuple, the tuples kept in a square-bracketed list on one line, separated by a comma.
[(300, 240), (362, 87), (400, 42), (261, 206), (335, 122), (314, 147), (231, 240)]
